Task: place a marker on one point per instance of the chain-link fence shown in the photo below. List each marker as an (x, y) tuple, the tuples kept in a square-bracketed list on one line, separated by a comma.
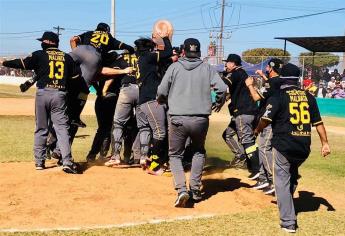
[(324, 76)]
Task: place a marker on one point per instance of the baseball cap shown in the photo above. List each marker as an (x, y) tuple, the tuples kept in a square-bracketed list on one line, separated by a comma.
[(103, 27), (51, 36), (276, 64), (234, 58), (191, 47), (290, 71)]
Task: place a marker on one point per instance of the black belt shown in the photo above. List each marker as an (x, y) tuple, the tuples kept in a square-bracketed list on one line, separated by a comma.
[(57, 87)]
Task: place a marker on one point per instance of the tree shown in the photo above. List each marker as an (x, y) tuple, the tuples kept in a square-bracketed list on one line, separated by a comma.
[(321, 59), (257, 55)]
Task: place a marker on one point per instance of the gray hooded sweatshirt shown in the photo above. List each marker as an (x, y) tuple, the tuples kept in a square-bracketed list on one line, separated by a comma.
[(187, 84)]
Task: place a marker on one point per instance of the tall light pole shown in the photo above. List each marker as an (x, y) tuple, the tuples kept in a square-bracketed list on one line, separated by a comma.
[(112, 24), (221, 34)]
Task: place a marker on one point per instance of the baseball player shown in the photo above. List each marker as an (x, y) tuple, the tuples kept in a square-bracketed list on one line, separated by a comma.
[(125, 107), (244, 109), (105, 108), (187, 88), (291, 112), (151, 115), (53, 68), (271, 86), (88, 49)]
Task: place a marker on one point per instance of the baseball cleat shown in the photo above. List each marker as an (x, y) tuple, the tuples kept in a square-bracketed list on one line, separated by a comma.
[(195, 195), (144, 162), (182, 199), (254, 175), (289, 229), (72, 168), (112, 162), (261, 184), (40, 166), (269, 190)]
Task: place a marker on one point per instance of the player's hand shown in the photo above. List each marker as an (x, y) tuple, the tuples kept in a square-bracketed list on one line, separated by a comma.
[(249, 81), (1, 61), (325, 150), (128, 70), (259, 72)]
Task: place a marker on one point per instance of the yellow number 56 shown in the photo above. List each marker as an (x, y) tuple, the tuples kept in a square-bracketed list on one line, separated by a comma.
[(299, 113)]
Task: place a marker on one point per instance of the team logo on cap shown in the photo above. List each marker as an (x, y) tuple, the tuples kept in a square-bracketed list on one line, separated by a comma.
[(193, 48)]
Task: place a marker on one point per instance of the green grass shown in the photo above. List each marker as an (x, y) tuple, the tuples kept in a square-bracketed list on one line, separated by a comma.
[(250, 223), (325, 175)]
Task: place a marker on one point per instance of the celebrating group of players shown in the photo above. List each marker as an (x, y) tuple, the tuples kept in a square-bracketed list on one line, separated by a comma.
[(158, 99)]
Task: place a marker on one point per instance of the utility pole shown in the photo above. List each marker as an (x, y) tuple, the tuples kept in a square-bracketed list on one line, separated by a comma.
[(58, 28), (112, 25), (220, 58)]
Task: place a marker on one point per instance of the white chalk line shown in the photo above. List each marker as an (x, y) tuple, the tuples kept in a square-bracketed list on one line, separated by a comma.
[(124, 225)]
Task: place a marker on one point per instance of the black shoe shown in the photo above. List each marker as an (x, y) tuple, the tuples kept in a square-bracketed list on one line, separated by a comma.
[(289, 229), (71, 168), (40, 166), (182, 199), (239, 163), (260, 184), (254, 175), (195, 195), (269, 190), (78, 123)]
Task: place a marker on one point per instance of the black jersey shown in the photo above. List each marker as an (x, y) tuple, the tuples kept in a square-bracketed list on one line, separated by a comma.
[(241, 101), (271, 87), (292, 112), (101, 40), (52, 67), (147, 72)]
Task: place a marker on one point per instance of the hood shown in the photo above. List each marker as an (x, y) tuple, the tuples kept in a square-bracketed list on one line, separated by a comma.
[(190, 63)]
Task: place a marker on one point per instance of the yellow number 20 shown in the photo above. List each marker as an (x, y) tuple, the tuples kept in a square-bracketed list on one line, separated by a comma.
[(299, 113), (60, 67)]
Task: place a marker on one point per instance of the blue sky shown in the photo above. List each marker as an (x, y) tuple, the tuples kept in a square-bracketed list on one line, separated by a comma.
[(135, 18)]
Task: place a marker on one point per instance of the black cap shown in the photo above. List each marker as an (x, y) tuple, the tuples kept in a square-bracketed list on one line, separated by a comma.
[(144, 44), (103, 27), (290, 71), (235, 59), (276, 64), (191, 47), (51, 36)]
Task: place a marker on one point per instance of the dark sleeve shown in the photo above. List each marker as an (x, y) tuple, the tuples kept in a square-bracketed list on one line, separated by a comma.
[(28, 63), (315, 117), (118, 45), (272, 108), (82, 36), (167, 52)]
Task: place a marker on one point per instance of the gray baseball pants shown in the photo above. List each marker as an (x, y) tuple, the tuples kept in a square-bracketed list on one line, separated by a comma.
[(229, 138), (89, 59), (265, 154), (151, 116), (245, 132), (285, 183), (126, 104), (182, 127), (50, 104)]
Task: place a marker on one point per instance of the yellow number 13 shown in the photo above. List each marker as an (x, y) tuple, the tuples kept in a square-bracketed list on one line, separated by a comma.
[(60, 67), (299, 113)]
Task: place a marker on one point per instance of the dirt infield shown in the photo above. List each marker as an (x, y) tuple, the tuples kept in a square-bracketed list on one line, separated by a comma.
[(26, 107), (103, 196)]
